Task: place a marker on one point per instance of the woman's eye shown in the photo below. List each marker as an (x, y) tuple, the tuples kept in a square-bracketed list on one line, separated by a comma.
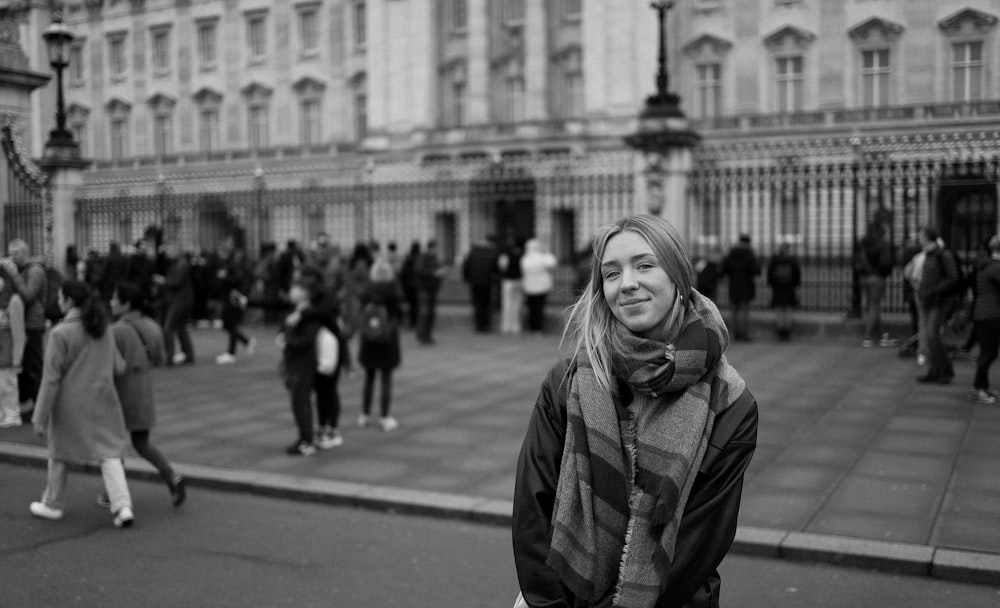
[(644, 266), (608, 276)]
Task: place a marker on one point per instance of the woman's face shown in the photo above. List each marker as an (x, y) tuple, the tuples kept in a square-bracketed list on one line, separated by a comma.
[(636, 285)]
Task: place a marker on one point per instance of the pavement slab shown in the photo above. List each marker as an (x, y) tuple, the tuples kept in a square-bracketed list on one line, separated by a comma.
[(850, 446)]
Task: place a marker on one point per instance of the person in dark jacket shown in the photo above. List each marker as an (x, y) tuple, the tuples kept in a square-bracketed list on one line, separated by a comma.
[(784, 275), (234, 276), (986, 317), (742, 268), (873, 263), (429, 275), (297, 341), (408, 279), (937, 282), (708, 270), (648, 379), (480, 271), (379, 352), (178, 294), (139, 339)]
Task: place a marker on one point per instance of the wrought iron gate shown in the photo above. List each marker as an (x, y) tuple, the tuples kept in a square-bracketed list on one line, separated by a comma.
[(25, 194)]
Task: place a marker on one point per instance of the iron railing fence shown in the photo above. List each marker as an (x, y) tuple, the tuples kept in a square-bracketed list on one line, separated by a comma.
[(823, 209)]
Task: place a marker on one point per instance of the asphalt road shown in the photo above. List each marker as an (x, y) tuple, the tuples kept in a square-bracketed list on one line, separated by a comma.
[(227, 549)]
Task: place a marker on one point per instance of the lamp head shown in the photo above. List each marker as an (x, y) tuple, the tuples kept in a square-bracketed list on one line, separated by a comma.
[(57, 39)]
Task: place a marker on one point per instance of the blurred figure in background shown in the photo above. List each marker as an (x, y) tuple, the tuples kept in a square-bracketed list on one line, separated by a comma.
[(178, 294), (479, 271), (537, 265), (742, 268), (511, 289), (986, 316), (784, 275), (380, 351)]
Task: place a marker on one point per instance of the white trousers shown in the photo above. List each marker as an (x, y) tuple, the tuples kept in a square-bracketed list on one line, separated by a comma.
[(113, 472), (511, 304)]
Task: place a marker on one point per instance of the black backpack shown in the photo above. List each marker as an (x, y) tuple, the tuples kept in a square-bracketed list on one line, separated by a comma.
[(961, 284), (50, 297), (376, 326)]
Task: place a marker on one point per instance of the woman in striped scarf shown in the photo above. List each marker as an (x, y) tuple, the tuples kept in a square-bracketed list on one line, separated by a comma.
[(629, 479)]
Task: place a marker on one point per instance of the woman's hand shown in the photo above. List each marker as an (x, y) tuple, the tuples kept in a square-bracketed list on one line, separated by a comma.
[(39, 428)]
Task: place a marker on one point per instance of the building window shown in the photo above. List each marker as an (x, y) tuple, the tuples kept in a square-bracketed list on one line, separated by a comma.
[(360, 25), (572, 106), (206, 44), (453, 95), (161, 50), (512, 12), (513, 99), (789, 84), (163, 134), (79, 129), (708, 90), (310, 132), (309, 30), (458, 15), (360, 116), (208, 130), (967, 71), (76, 67), (571, 9), (116, 56), (258, 127), (257, 36), (119, 138), (875, 78)]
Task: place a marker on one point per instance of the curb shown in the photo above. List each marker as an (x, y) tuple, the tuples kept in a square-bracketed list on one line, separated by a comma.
[(902, 558)]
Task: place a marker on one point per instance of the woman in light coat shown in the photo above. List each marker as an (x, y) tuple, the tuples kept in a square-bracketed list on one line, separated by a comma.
[(536, 277), (78, 408)]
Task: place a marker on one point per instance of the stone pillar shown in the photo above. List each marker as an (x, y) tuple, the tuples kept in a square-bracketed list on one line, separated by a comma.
[(65, 179), (662, 188)]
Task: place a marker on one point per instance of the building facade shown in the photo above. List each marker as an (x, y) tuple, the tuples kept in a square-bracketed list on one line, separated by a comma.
[(455, 119)]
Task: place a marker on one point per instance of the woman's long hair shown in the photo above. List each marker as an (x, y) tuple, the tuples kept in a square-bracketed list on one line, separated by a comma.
[(591, 325), (93, 313)]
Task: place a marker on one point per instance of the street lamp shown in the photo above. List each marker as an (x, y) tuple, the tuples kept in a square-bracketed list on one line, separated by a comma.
[(370, 173), (663, 128), (161, 194), (854, 309), (57, 40)]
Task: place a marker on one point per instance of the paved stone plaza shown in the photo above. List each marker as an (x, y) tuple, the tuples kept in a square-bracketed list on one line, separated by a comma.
[(850, 445)]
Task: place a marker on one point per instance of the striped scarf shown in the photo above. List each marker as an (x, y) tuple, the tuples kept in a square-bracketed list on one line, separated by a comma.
[(625, 477)]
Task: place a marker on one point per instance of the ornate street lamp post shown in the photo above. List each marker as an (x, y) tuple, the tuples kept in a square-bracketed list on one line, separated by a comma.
[(258, 185), (61, 144), (665, 138)]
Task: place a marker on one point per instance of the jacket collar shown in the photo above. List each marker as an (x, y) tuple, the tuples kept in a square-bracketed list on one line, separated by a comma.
[(73, 314)]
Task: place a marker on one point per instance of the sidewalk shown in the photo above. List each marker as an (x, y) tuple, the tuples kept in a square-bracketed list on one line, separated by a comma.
[(856, 463)]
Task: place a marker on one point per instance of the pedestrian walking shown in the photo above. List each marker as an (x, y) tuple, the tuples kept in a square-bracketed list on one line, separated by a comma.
[(939, 284), (178, 295), (78, 410), (986, 319), (235, 278), (873, 262), (628, 482), (380, 351), (429, 275), (297, 341), (537, 265), (511, 288), (742, 268), (784, 275), (139, 340), (28, 279), (12, 340), (479, 270)]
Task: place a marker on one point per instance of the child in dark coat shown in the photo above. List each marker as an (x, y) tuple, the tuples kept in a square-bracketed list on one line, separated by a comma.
[(298, 360)]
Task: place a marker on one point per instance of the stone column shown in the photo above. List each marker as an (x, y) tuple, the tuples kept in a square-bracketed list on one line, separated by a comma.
[(65, 179), (662, 188)]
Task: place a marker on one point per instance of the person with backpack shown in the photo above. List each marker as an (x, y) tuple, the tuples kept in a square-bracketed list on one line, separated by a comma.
[(380, 351), (940, 282), (29, 281), (297, 341), (140, 341), (784, 275), (986, 319), (873, 262)]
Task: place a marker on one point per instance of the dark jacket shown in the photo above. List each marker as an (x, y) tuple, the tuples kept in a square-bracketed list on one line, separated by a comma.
[(940, 276), (480, 267), (427, 272), (388, 355), (32, 285), (784, 275), (741, 266), (987, 305), (707, 526), (178, 284), (298, 358)]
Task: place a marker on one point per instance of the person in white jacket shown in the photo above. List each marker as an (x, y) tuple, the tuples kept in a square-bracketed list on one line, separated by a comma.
[(536, 270)]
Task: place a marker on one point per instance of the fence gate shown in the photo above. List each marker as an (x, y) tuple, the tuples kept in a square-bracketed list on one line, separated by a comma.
[(24, 196)]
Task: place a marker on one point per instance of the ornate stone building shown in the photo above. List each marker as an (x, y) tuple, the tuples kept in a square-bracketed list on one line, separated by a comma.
[(454, 119)]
